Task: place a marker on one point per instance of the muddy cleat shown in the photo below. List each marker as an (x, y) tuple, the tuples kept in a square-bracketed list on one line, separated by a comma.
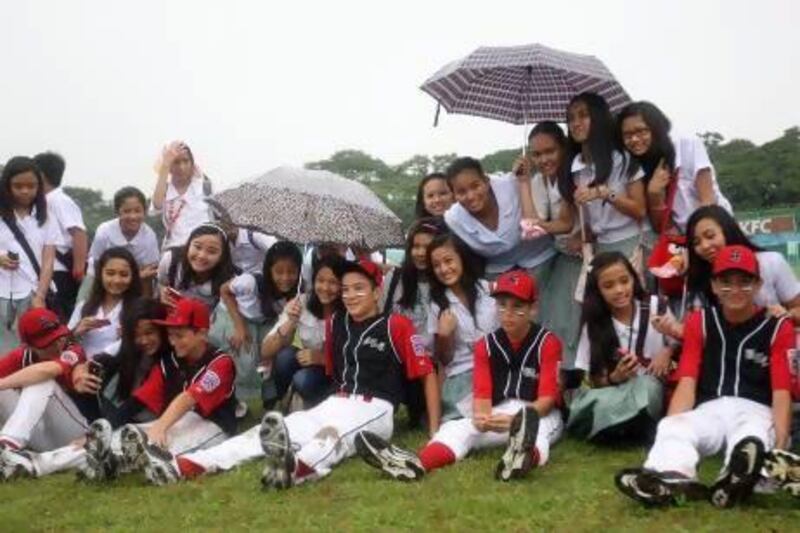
[(737, 479), (783, 468), (158, 464), (520, 455), (279, 460), (656, 489), (15, 464), (397, 462), (101, 465)]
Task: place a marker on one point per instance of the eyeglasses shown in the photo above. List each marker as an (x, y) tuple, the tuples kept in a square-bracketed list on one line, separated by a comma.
[(635, 134)]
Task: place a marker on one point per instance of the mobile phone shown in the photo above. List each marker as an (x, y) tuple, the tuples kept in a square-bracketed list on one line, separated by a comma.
[(174, 293), (14, 256), (101, 322), (96, 369)]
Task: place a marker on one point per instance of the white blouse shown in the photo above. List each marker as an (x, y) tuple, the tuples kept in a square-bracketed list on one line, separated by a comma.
[(103, 339)]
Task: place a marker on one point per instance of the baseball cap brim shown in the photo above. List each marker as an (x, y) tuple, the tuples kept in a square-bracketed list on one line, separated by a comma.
[(49, 338)]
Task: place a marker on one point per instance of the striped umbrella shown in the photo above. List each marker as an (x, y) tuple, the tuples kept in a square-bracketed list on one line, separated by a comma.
[(521, 84), (311, 206)]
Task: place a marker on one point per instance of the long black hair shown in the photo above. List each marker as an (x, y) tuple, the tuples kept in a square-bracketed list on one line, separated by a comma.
[(554, 131), (268, 292), (698, 277), (602, 142), (409, 275), (15, 166), (222, 271), (130, 356), (661, 146), (596, 314), (98, 291), (469, 282), (336, 263), (419, 208)]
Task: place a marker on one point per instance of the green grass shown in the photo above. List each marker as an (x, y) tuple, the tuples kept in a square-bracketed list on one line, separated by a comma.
[(574, 492)]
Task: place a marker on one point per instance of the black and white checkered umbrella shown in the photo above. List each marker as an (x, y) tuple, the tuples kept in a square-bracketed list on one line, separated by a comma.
[(521, 84), (311, 206)]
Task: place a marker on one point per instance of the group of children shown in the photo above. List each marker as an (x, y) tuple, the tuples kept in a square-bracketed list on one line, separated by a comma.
[(522, 310)]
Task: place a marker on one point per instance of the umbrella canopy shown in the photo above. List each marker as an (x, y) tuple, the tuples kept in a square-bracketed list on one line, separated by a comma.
[(521, 84), (311, 206)]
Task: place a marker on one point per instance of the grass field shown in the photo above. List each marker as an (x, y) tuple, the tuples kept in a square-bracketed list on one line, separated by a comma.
[(574, 492)]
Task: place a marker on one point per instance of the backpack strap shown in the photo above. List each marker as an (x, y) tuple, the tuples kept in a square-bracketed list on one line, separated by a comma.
[(207, 189), (644, 324), (23, 242)]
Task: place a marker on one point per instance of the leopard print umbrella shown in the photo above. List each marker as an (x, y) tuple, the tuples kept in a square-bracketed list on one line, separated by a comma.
[(311, 206)]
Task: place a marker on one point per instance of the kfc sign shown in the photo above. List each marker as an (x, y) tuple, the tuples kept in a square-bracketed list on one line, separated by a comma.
[(776, 224)]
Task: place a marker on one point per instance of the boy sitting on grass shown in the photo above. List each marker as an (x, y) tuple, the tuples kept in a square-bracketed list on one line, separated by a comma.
[(733, 393), (515, 393)]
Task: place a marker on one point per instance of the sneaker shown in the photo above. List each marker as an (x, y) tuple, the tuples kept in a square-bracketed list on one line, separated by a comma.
[(656, 488), (100, 462), (398, 463), (158, 464), (784, 468), (15, 463), (241, 410), (279, 462), (737, 479), (518, 459)]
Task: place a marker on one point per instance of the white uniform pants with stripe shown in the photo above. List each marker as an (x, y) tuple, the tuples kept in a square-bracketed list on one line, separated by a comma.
[(191, 432), (40, 417), (682, 440), (322, 436), (461, 436)]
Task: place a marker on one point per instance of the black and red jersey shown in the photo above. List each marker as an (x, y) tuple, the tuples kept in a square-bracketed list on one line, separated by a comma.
[(23, 356), (747, 360), (374, 357), (209, 381), (523, 370)]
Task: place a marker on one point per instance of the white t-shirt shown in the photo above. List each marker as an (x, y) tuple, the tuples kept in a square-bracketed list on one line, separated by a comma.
[(143, 246), (548, 201), (310, 329), (248, 252), (468, 330), (503, 247), (779, 284), (690, 158), (628, 335), (103, 339), (417, 314), (245, 289), (20, 283), (182, 213), (203, 291), (608, 224), (66, 215)]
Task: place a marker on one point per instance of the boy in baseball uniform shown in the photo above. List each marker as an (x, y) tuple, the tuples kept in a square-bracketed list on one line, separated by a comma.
[(515, 397), (369, 356), (37, 412), (733, 393)]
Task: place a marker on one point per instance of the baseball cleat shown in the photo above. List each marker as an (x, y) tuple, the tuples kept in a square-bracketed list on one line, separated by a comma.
[(656, 489), (784, 468), (279, 460), (157, 463), (397, 462), (739, 476), (100, 462), (519, 457), (15, 463)]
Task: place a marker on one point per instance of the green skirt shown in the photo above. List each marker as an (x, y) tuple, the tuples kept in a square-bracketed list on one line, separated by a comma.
[(10, 311), (457, 396), (559, 311), (595, 410), (247, 358)]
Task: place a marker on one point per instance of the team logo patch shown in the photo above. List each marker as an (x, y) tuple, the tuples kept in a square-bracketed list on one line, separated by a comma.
[(758, 358), (69, 357), (210, 381), (419, 346), (375, 344), (529, 372), (736, 256)]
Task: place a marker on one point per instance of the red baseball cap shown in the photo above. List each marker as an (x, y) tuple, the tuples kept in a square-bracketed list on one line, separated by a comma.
[(736, 257), (187, 313), (367, 268), (516, 283), (40, 328)]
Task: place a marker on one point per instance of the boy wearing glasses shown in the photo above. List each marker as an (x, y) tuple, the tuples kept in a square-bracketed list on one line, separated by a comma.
[(515, 397), (733, 394)]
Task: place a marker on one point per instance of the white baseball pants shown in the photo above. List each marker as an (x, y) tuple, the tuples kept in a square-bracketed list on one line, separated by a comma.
[(191, 432), (323, 435), (40, 417), (682, 440), (461, 436)]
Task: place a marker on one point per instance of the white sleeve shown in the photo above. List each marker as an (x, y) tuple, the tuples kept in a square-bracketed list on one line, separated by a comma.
[(150, 243), (699, 157), (583, 353), (263, 241), (786, 285), (433, 319), (163, 268), (243, 285), (50, 233), (99, 243), (70, 214), (76, 316)]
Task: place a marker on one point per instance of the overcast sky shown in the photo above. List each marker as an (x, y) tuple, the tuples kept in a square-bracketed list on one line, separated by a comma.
[(251, 85)]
